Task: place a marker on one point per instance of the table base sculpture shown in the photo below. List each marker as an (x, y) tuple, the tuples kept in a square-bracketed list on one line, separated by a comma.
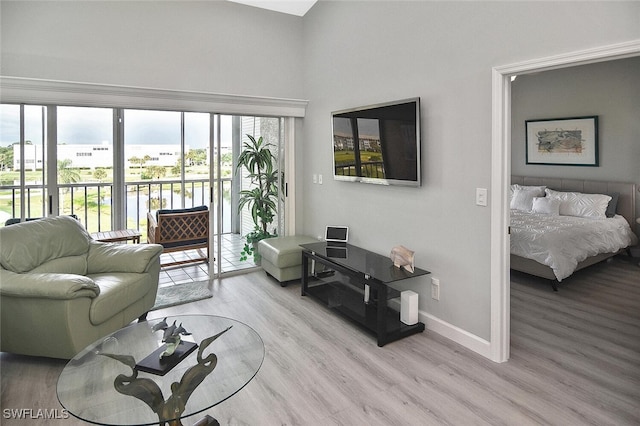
[(146, 390)]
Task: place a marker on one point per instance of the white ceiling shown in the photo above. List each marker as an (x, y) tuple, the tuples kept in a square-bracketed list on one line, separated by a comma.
[(292, 7)]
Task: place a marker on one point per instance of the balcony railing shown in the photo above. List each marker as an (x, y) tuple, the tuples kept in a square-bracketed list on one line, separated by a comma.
[(92, 202), (372, 169)]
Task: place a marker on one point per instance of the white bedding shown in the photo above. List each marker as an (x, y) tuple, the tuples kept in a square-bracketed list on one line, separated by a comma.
[(560, 242)]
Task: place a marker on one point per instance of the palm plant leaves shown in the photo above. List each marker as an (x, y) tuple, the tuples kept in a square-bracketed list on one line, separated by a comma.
[(66, 174), (258, 160)]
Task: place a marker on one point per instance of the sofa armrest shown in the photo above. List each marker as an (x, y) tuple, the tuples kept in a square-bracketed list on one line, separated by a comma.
[(113, 257), (46, 286)]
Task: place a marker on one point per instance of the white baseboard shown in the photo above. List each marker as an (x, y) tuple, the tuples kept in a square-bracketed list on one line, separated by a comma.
[(458, 335)]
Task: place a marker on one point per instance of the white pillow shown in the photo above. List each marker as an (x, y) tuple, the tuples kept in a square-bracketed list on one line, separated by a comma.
[(579, 204), (512, 189), (545, 205), (539, 190), (523, 199)]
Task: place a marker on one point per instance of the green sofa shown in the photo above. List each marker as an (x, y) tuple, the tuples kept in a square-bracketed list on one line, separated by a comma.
[(60, 290)]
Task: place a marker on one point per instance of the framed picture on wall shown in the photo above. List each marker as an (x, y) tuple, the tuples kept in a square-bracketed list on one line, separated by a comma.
[(563, 141)]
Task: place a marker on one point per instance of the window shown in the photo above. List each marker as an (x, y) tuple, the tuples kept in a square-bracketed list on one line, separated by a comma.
[(84, 180), (22, 150)]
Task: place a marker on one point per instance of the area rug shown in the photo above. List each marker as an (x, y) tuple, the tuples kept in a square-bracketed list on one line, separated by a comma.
[(181, 293)]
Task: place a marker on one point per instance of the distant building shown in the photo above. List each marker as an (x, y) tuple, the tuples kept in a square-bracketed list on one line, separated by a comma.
[(343, 142), (95, 156)]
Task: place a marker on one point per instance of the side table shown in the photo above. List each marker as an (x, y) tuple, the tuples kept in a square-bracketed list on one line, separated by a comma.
[(117, 236)]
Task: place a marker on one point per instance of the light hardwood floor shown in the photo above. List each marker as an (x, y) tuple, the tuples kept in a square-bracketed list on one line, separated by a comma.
[(575, 360)]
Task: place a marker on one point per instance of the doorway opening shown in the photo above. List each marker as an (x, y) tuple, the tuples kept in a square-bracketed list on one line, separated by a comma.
[(501, 172)]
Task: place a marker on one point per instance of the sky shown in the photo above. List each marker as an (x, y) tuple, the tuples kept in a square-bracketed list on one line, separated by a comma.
[(80, 125), (366, 126)]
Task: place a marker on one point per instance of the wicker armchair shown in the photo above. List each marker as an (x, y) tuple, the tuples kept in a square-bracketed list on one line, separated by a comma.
[(180, 229)]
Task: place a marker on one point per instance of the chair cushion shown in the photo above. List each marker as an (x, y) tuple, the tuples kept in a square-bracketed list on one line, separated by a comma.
[(284, 252), (63, 265), (15, 220), (189, 210), (184, 243), (25, 246)]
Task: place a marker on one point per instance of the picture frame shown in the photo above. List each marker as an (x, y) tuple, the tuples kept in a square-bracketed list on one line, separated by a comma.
[(563, 141)]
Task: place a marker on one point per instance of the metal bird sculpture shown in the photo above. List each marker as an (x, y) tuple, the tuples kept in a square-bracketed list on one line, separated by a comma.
[(147, 390)]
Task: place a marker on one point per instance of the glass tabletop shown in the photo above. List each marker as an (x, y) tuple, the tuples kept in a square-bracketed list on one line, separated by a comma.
[(102, 385)]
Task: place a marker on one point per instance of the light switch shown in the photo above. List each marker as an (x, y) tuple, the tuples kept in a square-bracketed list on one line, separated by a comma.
[(481, 197), (320, 179), (315, 178)]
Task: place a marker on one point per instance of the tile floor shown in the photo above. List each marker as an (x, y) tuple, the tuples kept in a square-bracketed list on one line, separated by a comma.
[(232, 245)]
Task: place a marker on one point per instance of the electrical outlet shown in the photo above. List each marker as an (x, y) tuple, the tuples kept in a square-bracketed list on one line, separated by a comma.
[(320, 179), (435, 288), (315, 178)]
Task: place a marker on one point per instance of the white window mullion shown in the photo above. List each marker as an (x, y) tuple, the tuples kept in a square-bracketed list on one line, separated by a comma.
[(50, 162), (182, 160), (22, 163), (289, 176), (216, 196), (118, 191)]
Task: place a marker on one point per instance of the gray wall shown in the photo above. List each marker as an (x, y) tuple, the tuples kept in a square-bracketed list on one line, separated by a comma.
[(610, 90), (208, 46), (360, 53)]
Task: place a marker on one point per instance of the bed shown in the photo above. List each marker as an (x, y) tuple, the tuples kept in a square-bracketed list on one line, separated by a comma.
[(554, 247)]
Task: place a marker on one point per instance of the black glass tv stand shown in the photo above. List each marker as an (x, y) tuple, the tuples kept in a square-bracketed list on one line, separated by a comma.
[(360, 285)]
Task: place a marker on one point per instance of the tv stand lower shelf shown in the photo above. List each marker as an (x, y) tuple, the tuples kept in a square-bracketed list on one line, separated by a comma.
[(364, 298)]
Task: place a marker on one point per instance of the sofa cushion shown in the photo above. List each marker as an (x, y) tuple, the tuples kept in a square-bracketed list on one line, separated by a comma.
[(25, 246), (117, 291), (284, 252)]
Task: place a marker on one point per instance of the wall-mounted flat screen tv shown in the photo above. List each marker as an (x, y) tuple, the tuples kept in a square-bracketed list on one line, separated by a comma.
[(378, 143)]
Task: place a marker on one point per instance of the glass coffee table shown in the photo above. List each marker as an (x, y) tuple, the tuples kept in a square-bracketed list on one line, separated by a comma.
[(103, 385)]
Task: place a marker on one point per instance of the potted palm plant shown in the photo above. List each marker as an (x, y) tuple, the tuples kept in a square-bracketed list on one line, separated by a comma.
[(262, 197)]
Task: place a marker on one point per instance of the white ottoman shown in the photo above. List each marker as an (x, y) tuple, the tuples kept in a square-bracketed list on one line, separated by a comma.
[(281, 257)]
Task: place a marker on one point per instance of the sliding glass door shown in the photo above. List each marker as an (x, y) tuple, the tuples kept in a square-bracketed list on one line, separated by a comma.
[(238, 191), (184, 159), (111, 167), (166, 166)]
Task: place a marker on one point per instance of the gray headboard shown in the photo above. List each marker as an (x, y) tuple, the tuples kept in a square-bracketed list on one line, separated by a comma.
[(627, 191)]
